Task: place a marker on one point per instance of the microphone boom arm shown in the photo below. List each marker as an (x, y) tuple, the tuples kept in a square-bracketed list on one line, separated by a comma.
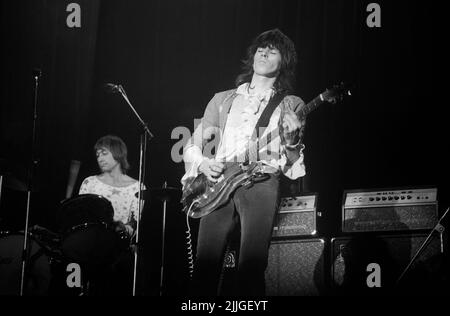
[(144, 125)]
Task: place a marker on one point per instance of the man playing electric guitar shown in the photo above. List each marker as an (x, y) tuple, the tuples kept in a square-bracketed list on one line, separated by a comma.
[(260, 106)]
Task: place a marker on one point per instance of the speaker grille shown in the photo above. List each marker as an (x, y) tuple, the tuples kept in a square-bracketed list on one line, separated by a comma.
[(295, 268), (392, 218), (295, 224), (351, 256)]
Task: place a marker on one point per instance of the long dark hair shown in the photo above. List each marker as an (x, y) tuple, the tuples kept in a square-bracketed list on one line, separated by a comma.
[(272, 39), (117, 148)]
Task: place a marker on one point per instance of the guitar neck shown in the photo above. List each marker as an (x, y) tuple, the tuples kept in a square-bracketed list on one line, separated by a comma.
[(311, 106), (251, 153)]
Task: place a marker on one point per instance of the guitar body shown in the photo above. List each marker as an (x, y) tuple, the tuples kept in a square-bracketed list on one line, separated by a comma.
[(208, 196)]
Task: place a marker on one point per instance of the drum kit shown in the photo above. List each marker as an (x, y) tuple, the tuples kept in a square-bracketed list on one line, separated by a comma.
[(86, 235)]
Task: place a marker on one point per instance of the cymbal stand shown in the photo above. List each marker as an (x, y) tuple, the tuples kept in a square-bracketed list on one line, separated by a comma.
[(161, 276)]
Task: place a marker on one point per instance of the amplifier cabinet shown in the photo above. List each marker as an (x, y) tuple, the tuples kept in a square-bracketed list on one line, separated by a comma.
[(296, 267), (389, 210), (296, 216), (351, 256)]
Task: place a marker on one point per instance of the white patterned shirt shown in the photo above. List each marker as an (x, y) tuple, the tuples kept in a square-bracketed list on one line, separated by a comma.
[(123, 199)]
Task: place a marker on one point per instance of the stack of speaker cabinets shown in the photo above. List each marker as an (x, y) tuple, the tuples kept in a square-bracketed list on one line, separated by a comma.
[(296, 263), (376, 251), (382, 233), (379, 247)]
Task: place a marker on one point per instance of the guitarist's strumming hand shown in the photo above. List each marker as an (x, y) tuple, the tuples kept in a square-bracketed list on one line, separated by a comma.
[(211, 169), (291, 127)]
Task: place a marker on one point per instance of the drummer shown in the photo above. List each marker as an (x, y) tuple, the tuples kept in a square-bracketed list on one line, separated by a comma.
[(113, 183)]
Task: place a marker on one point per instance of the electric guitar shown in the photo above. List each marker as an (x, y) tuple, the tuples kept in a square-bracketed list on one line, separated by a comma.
[(201, 196)]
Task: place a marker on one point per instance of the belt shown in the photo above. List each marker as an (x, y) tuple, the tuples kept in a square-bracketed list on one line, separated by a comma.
[(266, 168)]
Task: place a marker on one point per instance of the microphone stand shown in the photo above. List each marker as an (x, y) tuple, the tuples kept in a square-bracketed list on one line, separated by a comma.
[(145, 136), (31, 172)]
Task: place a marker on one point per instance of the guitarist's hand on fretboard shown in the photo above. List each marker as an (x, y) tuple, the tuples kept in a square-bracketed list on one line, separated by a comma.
[(211, 169), (291, 126)]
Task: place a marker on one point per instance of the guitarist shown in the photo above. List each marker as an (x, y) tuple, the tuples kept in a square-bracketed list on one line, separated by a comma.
[(230, 122)]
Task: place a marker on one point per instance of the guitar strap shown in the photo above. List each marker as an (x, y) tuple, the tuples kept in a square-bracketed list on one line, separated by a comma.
[(264, 119)]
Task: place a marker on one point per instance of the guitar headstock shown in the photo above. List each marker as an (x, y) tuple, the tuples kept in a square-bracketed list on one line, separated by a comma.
[(337, 93)]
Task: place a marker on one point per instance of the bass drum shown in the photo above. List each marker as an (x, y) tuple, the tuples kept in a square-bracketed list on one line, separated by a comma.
[(38, 271)]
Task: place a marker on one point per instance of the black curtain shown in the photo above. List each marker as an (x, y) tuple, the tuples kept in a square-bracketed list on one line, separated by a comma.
[(36, 36), (172, 56)]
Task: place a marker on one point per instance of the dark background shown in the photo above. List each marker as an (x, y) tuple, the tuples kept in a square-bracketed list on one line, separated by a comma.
[(172, 56)]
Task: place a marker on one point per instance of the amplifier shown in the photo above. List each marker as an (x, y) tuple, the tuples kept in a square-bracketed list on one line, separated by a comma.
[(296, 216), (389, 210), (296, 267), (351, 255)]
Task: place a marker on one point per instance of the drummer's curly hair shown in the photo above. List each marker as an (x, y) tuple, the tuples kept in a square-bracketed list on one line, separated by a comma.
[(117, 148)]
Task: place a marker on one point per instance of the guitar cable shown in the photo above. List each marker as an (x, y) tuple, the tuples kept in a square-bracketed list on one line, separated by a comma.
[(190, 252)]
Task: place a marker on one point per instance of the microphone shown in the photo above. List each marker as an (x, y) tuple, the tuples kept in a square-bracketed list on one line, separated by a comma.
[(111, 87), (37, 72)]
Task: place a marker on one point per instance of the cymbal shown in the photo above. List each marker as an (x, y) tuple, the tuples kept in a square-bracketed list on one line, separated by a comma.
[(14, 176), (162, 194), (16, 184)]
